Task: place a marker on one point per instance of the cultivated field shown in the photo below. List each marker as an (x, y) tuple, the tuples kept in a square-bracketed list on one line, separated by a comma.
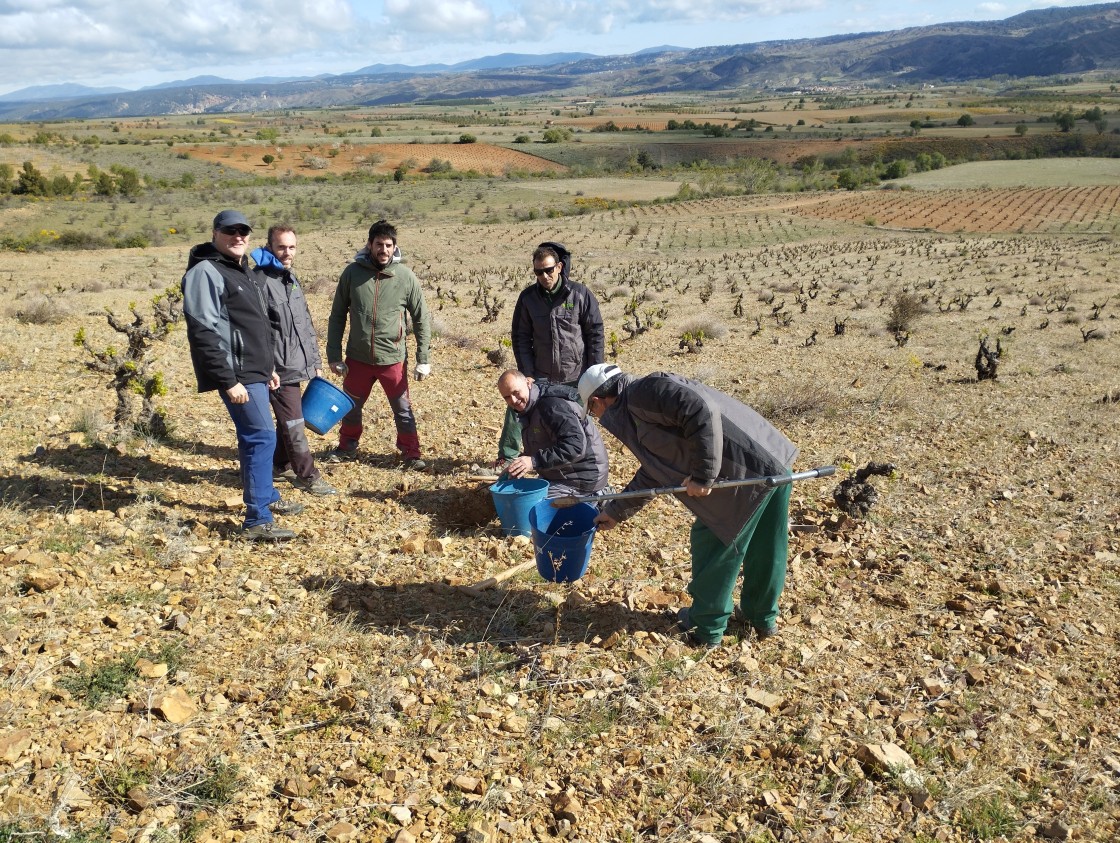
[(375, 158), (161, 680)]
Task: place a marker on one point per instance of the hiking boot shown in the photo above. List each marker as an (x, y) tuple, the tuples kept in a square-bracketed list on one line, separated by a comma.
[(283, 474), (266, 533), (415, 464), (283, 507), (684, 621), (318, 486), (342, 455), (760, 632), (764, 632), (685, 625)]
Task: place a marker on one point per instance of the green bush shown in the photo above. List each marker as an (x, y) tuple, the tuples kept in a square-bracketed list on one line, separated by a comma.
[(77, 240), (133, 241)]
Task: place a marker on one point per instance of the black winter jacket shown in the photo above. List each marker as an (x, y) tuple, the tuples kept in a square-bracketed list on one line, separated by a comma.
[(227, 321), (297, 343), (557, 336), (566, 447)]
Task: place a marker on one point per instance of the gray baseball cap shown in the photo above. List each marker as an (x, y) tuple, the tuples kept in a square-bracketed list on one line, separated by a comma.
[(228, 218)]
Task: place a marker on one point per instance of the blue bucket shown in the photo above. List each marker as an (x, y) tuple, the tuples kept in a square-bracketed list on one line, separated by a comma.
[(562, 539), (324, 404), (513, 499)]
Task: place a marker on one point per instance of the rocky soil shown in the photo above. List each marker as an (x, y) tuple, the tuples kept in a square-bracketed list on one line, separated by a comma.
[(946, 667)]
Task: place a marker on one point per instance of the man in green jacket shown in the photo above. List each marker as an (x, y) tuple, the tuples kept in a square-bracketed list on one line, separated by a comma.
[(376, 294)]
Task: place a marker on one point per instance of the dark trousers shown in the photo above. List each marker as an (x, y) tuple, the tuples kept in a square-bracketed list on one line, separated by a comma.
[(292, 447), (393, 378)]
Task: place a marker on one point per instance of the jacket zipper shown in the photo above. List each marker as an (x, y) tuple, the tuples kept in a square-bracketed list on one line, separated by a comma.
[(373, 326)]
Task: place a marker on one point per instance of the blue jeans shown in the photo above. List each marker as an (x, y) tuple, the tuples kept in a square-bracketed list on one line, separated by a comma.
[(256, 443)]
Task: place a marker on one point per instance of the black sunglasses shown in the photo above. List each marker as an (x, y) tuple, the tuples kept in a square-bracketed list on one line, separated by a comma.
[(232, 230), (544, 270)]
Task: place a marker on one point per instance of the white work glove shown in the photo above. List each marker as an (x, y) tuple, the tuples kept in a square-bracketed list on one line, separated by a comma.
[(423, 370)]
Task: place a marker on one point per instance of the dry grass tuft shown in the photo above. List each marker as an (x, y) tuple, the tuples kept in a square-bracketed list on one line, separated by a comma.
[(42, 310), (803, 402), (712, 328)]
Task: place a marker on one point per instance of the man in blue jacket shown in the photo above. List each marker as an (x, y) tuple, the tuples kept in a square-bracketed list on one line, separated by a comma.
[(231, 348), (685, 433), (297, 359)]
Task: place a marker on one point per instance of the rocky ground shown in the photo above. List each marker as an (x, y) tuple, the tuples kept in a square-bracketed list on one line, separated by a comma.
[(946, 667)]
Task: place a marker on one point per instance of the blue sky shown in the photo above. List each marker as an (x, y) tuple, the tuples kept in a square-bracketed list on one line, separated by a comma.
[(132, 43)]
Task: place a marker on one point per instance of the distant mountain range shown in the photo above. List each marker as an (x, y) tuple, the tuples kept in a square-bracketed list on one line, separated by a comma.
[(1047, 42), (67, 90)]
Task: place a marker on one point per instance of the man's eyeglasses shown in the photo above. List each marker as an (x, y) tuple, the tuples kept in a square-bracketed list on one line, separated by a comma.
[(235, 230), (544, 270)]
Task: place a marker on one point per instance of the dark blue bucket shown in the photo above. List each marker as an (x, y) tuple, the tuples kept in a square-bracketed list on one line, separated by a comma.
[(562, 539), (324, 404), (513, 499)]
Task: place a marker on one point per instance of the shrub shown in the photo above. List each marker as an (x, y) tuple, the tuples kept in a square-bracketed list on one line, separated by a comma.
[(133, 241), (805, 400), (904, 310), (897, 169), (709, 326), (42, 310), (72, 239), (467, 138)]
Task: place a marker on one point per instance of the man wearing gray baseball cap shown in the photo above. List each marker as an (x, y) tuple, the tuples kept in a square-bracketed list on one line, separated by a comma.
[(230, 338)]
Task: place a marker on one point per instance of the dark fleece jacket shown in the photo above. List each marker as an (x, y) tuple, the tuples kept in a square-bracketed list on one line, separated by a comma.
[(227, 321), (566, 447)]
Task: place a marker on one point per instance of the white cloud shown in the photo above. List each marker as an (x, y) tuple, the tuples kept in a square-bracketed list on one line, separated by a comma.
[(48, 41), (140, 42), (599, 15), (456, 19)]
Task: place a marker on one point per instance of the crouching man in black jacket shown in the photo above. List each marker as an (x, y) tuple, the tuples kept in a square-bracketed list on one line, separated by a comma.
[(561, 445)]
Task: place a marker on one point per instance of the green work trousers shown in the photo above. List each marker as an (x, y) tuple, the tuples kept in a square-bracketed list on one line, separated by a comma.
[(759, 551), (509, 445)]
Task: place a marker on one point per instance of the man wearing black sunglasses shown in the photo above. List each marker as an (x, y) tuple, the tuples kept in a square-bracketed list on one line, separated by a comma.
[(557, 333), (232, 350)]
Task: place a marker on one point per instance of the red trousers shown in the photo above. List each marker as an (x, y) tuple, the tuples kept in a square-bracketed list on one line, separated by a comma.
[(394, 380)]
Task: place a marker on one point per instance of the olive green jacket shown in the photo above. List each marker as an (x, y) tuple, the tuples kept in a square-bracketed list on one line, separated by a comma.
[(376, 301)]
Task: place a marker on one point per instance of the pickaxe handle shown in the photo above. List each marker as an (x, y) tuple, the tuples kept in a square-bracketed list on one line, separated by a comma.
[(769, 482)]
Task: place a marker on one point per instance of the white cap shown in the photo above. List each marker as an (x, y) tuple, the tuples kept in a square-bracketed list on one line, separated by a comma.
[(593, 378)]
